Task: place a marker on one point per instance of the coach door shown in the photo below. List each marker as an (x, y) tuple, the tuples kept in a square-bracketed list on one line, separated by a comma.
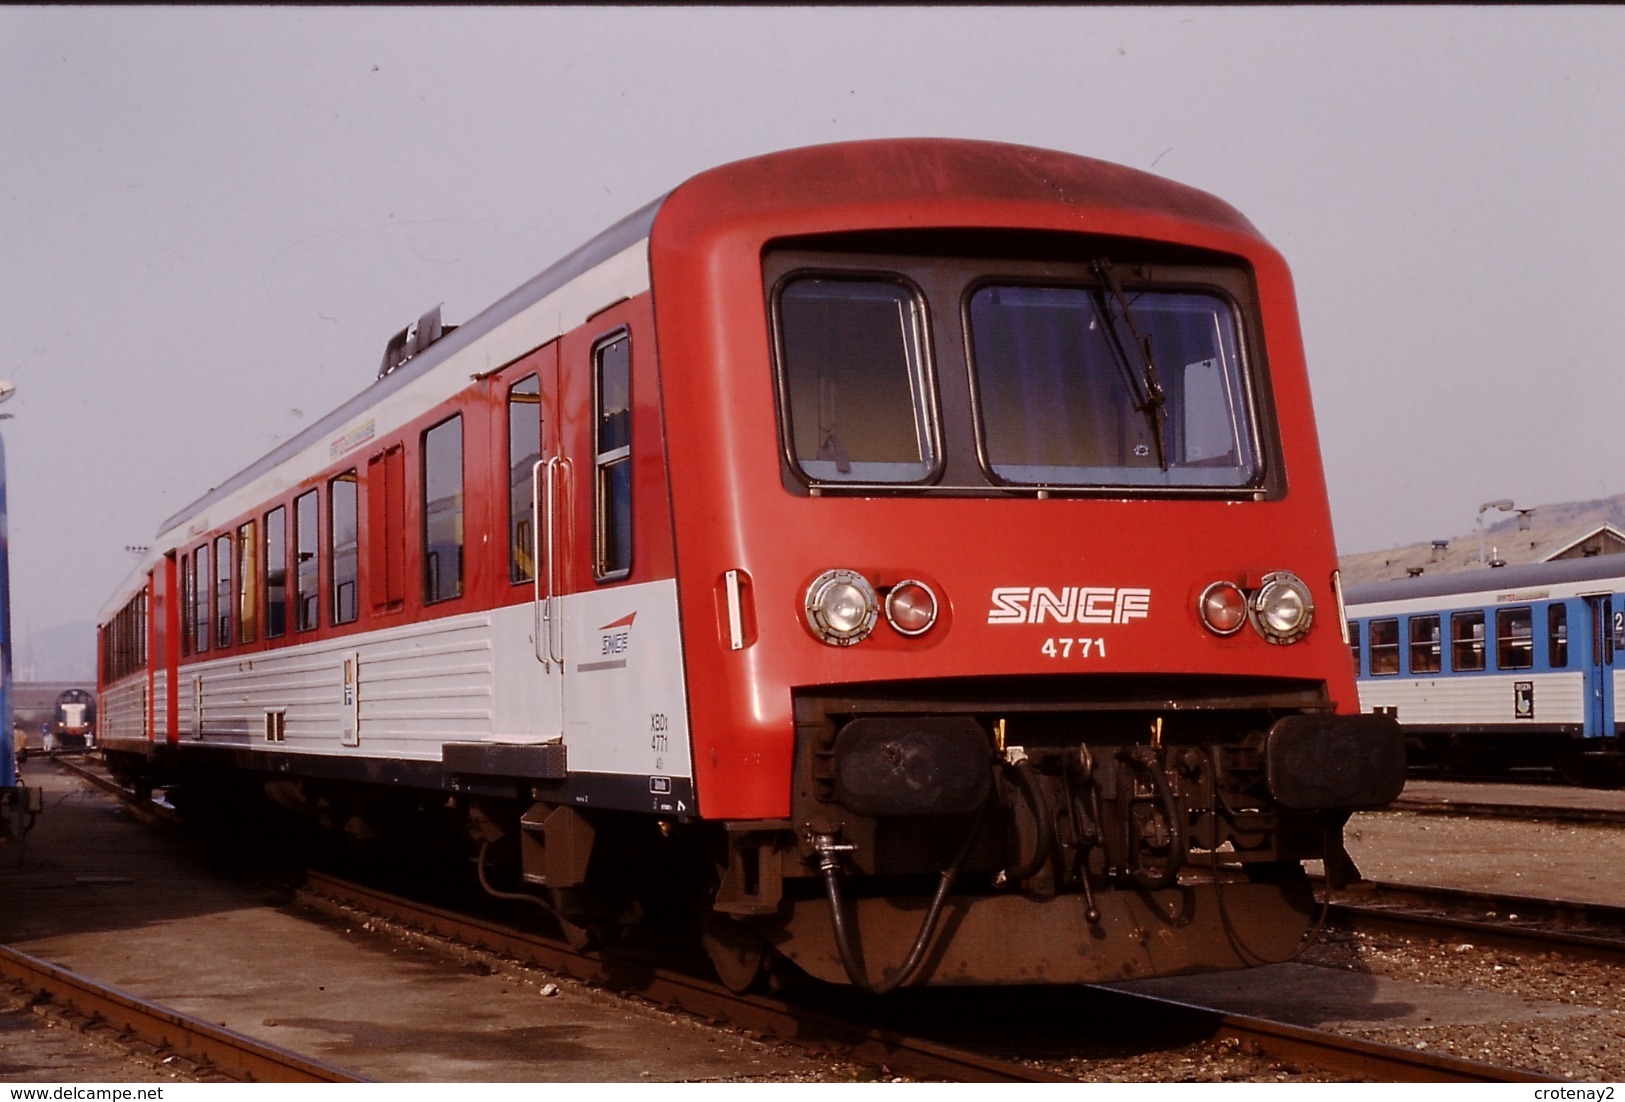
[(1607, 626), (549, 536)]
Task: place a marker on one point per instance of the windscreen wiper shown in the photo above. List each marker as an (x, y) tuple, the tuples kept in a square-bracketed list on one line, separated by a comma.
[(1145, 389)]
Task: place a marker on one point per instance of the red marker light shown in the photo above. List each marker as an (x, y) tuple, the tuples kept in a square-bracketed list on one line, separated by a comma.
[(1223, 608), (911, 607)]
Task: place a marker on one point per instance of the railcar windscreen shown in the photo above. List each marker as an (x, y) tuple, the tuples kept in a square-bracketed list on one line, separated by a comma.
[(854, 381), (1074, 388)]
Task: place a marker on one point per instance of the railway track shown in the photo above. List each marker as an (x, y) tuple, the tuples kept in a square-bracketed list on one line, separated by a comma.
[(844, 1033), (849, 1028), (1509, 810), (1523, 924), (222, 1051)]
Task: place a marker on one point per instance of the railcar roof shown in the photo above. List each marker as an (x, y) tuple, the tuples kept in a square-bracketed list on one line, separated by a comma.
[(919, 172), (628, 231), (903, 171), (1498, 580)]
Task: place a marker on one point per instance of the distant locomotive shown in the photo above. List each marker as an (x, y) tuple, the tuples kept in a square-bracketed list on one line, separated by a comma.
[(72, 725), (915, 553), (1486, 670)]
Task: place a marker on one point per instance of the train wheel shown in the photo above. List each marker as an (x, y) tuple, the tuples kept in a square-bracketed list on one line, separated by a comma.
[(739, 956)]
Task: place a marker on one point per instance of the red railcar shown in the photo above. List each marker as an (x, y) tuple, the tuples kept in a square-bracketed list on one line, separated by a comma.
[(917, 551)]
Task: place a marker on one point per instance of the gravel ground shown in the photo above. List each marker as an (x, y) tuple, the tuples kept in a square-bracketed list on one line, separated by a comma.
[(1587, 1047), (1211, 1062), (1544, 860)]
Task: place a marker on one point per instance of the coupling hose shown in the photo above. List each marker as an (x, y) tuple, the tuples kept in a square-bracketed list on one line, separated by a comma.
[(1044, 845), (829, 865)]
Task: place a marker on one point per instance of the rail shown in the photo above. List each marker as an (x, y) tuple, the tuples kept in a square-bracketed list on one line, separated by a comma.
[(232, 1054)]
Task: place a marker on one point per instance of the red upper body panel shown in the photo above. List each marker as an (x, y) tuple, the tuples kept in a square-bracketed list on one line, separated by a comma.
[(732, 511)]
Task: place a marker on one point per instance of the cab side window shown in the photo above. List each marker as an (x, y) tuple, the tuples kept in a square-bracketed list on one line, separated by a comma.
[(524, 452), (612, 448)]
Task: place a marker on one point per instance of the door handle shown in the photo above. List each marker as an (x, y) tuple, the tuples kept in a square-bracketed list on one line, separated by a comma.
[(536, 541)]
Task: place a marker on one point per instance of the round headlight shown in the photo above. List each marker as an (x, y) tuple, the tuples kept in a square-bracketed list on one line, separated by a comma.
[(911, 607), (841, 607), (1223, 608), (1282, 608)]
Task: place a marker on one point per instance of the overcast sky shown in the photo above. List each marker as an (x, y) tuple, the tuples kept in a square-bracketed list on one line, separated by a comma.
[(212, 220)]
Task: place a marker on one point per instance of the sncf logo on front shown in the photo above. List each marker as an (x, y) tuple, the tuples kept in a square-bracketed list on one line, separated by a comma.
[(1071, 604), (617, 636)]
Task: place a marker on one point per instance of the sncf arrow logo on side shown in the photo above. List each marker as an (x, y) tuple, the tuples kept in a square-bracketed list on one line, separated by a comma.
[(1071, 604), (617, 636)]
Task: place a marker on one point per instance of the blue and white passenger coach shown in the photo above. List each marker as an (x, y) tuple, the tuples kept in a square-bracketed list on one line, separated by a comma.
[(1487, 669)]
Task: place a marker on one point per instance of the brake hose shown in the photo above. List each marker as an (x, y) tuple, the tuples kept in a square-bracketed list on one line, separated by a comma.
[(1045, 843), (829, 865), (1139, 758)]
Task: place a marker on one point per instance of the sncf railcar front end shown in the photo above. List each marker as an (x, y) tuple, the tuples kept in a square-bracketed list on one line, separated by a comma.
[(1007, 575)]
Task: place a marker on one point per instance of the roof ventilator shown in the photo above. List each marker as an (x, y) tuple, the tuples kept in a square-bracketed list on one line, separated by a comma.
[(412, 340)]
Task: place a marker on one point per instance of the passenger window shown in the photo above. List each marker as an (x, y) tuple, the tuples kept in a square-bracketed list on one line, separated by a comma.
[(1466, 641), (1514, 638), (201, 579), (307, 596), (854, 383), (342, 550), (524, 451), (188, 604), (276, 573), (612, 446), (222, 591), (443, 511), (1557, 636), (1425, 648), (247, 583), (1384, 647), (1354, 644)]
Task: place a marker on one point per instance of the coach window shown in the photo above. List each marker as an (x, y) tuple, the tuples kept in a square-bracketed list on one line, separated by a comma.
[(1354, 644), (443, 511), (1424, 648), (248, 583), (1514, 638), (306, 584), (854, 381), (524, 450), (612, 384), (342, 553), (1384, 647), (276, 573), (200, 586), (1557, 636), (1066, 392), (1466, 641), (188, 604), (222, 591)]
